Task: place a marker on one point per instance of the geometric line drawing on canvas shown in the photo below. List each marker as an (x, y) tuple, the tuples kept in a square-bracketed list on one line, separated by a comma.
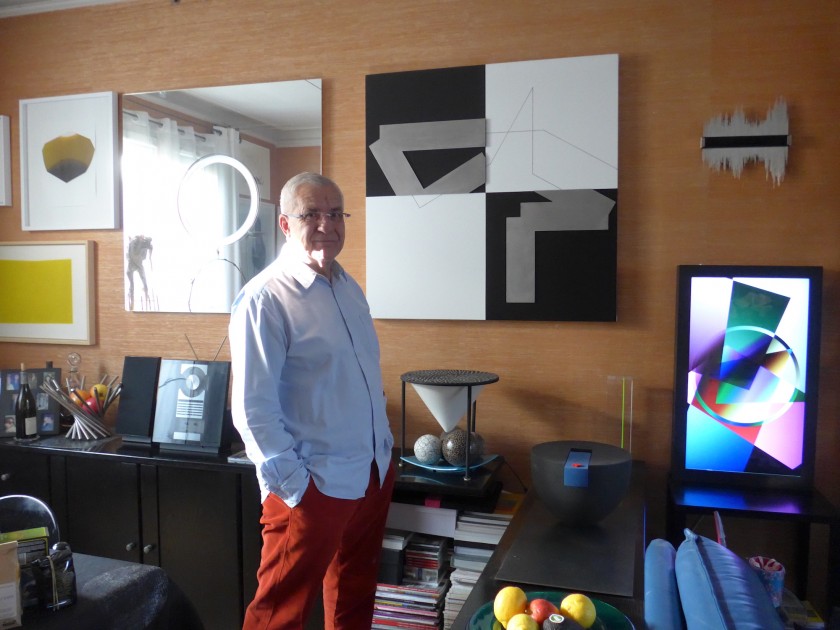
[(394, 140), (732, 142), (548, 125), (567, 210), (543, 142)]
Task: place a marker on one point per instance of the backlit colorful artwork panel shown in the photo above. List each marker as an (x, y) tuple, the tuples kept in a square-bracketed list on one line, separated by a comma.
[(747, 340)]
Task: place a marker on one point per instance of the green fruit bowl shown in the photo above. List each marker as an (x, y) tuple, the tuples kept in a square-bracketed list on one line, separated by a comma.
[(608, 617)]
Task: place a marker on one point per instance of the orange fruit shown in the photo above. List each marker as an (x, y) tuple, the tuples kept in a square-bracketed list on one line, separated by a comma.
[(509, 601), (580, 608)]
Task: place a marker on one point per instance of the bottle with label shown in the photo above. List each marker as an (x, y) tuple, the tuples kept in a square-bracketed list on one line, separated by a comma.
[(26, 420)]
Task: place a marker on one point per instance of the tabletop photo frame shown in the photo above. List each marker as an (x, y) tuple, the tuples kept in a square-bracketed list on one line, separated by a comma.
[(48, 410), (48, 292), (68, 152)]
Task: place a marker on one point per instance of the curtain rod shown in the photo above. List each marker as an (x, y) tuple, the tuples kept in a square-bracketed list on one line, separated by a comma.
[(157, 122)]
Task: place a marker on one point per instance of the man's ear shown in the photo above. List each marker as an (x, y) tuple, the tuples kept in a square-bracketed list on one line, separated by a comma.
[(283, 223)]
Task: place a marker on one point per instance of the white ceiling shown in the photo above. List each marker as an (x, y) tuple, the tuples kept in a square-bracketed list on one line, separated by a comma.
[(9, 8)]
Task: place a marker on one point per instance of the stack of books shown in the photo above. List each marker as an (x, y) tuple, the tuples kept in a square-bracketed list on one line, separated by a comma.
[(471, 556), (426, 561), (404, 606), (461, 582), (392, 558), (475, 539), (417, 600), (480, 527)]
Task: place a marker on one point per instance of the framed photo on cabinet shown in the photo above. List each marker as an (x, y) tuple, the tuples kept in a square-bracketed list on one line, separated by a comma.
[(48, 294), (68, 152), (47, 409)]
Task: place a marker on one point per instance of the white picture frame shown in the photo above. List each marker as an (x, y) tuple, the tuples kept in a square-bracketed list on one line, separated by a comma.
[(68, 151), (5, 163), (48, 292)]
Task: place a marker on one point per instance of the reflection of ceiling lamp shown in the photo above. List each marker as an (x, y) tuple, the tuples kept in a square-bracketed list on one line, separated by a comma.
[(209, 160), (448, 394), (67, 157)]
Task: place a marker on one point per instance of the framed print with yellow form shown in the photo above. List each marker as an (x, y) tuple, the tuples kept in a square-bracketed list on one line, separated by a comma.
[(48, 294)]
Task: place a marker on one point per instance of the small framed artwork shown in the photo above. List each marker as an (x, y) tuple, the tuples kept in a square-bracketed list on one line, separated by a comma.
[(63, 313), (48, 409), (9, 385), (5, 163), (68, 149)]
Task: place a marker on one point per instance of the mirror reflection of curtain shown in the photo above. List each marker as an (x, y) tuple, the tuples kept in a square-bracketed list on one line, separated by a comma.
[(156, 155)]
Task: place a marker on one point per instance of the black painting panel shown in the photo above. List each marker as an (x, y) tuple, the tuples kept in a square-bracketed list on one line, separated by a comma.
[(420, 96), (575, 270)]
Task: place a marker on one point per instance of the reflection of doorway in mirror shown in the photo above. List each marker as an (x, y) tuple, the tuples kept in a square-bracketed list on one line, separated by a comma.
[(185, 238), (265, 127), (257, 248)]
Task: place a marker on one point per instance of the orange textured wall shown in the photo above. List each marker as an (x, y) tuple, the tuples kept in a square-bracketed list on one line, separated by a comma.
[(680, 64)]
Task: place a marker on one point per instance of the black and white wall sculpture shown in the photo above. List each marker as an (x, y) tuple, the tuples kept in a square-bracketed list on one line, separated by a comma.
[(492, 191)]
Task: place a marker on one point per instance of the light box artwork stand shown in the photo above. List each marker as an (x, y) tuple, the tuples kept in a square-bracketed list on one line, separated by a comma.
[(446, 393)]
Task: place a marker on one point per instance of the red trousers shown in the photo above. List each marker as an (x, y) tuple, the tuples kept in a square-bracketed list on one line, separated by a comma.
[(326, 543)]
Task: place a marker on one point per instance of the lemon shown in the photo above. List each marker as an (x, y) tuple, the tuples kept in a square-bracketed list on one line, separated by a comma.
[(580, 608), (509, 601), (522, 621)]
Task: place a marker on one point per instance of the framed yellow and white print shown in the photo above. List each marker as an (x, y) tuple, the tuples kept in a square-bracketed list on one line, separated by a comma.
[(68, 149), (48, 294)]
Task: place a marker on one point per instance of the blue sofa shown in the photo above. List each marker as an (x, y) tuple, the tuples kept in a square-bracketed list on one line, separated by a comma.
[(704, 585)]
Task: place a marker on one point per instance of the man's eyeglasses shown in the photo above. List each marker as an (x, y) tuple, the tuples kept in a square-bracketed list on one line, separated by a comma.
[(315, 217)]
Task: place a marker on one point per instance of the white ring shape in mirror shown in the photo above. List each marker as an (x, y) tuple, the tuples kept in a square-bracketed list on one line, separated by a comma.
[(218, 158)]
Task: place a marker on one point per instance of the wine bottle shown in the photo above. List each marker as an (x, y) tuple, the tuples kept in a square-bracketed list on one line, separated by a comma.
[(26, 420)]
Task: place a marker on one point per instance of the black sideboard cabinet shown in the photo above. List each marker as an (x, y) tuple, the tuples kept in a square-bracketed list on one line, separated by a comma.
[(195, 517)]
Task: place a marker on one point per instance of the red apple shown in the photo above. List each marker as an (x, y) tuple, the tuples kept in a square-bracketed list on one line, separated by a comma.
[(540, 609), (93, 404)]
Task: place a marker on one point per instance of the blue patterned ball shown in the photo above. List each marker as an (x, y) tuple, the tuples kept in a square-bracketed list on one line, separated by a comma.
[(427, 449)]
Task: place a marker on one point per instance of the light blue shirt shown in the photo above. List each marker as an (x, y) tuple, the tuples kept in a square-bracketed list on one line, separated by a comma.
[(307, 394)]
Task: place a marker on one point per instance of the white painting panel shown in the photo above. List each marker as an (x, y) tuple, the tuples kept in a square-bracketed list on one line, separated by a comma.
[(426, 257), (552, 123)]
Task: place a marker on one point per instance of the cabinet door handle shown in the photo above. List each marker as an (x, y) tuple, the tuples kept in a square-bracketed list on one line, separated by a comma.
[(148, 549), (131, 546), (5, 476)]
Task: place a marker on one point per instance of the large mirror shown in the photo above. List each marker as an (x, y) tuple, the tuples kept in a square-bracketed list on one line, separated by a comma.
[(201, 173)]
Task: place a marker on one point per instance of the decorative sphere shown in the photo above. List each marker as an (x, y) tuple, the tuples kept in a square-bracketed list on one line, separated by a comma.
[(454, 447), (476, 447), (427, 449)]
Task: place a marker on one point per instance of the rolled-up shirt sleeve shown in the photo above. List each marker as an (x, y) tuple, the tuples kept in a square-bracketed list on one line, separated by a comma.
[(258, 342)]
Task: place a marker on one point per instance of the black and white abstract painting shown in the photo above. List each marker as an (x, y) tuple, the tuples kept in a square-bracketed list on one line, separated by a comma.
[(492, 191)]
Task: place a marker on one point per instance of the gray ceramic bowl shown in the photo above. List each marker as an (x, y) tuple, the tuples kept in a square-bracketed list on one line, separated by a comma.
[(607, 480)]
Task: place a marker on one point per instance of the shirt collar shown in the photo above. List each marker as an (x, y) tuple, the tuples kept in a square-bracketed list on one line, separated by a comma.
[(303, 273)]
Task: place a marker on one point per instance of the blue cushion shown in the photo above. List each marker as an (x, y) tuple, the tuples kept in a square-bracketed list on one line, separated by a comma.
[(718, 589), (662, 599)]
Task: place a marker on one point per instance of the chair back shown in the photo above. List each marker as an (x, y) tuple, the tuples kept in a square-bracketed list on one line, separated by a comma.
[(20, 511)]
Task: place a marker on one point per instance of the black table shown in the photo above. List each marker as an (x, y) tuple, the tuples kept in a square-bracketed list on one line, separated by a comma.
[(800, 507), (631, 509), (115, 595)]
